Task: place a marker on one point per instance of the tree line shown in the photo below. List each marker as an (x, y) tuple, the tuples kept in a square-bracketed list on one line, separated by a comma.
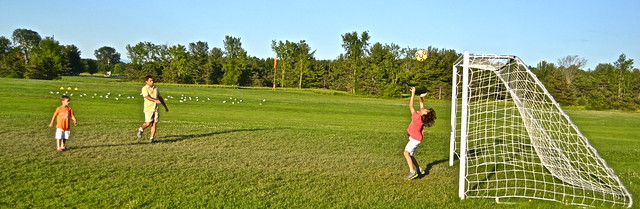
[(364, 68)]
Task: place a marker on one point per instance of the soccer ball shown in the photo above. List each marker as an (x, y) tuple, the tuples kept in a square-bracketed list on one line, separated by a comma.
[(421, 55)]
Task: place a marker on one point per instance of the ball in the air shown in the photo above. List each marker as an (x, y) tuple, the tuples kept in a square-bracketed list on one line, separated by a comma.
[(421, 55)]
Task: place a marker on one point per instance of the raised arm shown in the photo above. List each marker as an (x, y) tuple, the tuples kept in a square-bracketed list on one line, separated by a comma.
[(413, 95), (422, 100)]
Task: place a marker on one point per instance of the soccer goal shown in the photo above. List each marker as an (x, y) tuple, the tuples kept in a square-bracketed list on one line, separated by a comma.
[(513, 140)]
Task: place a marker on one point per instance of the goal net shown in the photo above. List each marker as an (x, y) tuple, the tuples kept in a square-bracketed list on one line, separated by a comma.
[(514, 141)]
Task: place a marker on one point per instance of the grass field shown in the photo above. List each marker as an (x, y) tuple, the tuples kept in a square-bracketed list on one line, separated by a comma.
[(284, 148)]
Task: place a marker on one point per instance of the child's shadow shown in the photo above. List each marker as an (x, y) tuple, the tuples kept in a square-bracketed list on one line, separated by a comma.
[(427, 170)]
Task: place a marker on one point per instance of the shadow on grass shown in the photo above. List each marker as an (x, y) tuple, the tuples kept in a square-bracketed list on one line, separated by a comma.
[(169, 139), (486, 179), (427, 170), (137, 142), (177, 138)]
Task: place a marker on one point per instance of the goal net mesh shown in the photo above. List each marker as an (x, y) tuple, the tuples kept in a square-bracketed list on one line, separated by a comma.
[(519, 142)]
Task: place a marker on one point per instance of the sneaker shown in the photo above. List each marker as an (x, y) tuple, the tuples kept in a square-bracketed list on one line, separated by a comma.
[(140, 131), (151, 140), (422, 171), (411, 176)]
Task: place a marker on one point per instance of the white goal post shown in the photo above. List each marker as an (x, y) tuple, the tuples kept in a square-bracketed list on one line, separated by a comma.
[(513, 140)]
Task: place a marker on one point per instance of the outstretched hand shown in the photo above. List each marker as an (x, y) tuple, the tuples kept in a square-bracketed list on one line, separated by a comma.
[(423, 95), (413, 90)]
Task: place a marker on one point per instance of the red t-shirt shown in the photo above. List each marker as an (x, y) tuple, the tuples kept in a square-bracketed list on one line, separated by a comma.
[(415, 127), (63, 114)]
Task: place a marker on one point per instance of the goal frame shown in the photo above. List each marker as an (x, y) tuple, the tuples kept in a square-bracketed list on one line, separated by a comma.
[(463, 65)]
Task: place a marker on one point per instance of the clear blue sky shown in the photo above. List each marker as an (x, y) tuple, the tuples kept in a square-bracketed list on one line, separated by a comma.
[(596, 30)]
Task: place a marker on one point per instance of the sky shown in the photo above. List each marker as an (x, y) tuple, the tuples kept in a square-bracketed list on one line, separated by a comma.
[(541, 30)]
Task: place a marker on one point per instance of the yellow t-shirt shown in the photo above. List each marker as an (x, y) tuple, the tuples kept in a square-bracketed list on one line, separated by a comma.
[(152, 92)]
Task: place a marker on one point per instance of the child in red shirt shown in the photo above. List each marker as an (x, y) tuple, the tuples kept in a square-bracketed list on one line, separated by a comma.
[(62, 114), (419, 119)]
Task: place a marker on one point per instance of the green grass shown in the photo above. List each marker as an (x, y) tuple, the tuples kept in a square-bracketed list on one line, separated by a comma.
[(298, 149)]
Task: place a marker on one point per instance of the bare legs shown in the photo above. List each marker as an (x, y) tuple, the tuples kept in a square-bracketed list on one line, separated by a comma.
[(153, 128), (411, 161)]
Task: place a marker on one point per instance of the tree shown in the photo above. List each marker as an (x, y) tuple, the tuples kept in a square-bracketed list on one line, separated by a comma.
[(602, 97), (5, 45), (234, 64), (375, 71), (355, 50), (569, 69), (213, 70), (71, 60), (26, 40), (46, 62), (572, 60), (285, 54), (147, 59), (119, 68), (10, 64), (554, 79), (635, 88), (563, 80), (434, 74), (320, 74), (584, 85), (199, 52), (178, 70), (408, 65), (339, 75), (382, 75), (199, 49), (294, 61), (623, 67), (304, 57), (90, 65), (543, 70), (258, 72), (562, 90), (141, 52), (107, 55)]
